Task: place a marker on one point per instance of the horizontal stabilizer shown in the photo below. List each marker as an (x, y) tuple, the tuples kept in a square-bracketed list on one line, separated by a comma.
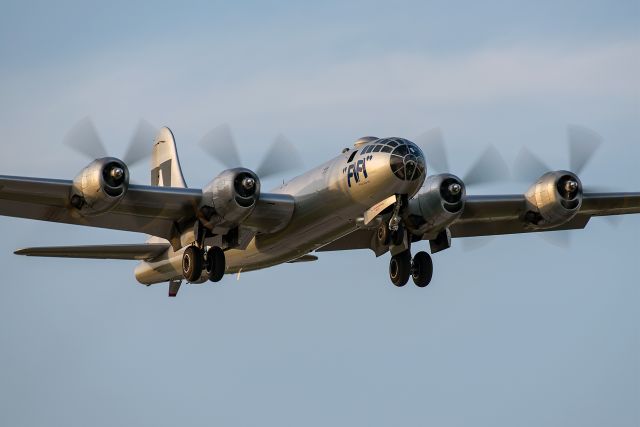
[(134, 252)]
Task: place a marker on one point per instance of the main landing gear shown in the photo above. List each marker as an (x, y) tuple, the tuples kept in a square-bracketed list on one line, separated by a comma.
[(420, 269), (195, 260)]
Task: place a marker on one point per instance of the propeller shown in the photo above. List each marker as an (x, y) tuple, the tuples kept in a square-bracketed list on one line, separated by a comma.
[(84, 138), (582, 144), (281, 156), (489, 167)]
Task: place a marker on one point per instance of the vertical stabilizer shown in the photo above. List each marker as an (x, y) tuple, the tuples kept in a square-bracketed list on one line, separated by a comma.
[(165, 165)]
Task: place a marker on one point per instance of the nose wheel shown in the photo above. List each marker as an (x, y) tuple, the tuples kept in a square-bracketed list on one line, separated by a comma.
[(194, 262), (400, 268), (215, 263), (420, 269)]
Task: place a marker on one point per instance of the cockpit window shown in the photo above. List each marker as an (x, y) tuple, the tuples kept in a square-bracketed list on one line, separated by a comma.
[(397, 166), (377, 148), (407, 160), (401, 150), (386, 149)]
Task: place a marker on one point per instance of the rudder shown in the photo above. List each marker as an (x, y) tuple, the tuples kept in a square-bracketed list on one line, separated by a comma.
[(165, 164)]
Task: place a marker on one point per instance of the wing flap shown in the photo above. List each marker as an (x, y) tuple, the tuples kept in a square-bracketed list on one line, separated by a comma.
[(139, 252)]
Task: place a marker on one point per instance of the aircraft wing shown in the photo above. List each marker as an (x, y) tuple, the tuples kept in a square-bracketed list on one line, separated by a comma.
[(494, 215), (501, 214), (144, 209)]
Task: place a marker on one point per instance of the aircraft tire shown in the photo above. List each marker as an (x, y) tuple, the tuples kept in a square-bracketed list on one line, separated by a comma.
[(215, 263), (400, 268), (422, 269), (192, 261)]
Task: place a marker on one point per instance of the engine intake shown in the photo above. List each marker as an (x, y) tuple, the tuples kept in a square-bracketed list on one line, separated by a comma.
[(99, 187), (553, 200), (438, 206)]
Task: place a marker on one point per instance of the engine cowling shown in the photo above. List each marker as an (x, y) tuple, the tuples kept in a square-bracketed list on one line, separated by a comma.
[(437, 206), (553, 200), (232, 195), (99, 187)]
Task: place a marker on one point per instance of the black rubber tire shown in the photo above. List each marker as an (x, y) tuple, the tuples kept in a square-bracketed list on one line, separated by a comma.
[(400, 268), (397, 237), (422, 269), (192, 261), (215, 263)]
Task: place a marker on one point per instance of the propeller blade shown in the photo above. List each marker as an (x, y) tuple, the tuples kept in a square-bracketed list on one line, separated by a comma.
[(613, 220), (583, 143), (139, 147), (561, 238), (432, 144), (282, 156), (83, 138), (470, 244), (528, 166), (220, 144), (490, 167)]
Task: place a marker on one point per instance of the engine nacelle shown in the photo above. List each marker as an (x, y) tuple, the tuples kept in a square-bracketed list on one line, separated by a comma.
[(232, 195), (437, 206), (99, 187), (553, 200)]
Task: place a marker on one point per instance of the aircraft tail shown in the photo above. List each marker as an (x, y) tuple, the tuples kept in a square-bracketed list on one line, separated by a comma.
[(165, 165)]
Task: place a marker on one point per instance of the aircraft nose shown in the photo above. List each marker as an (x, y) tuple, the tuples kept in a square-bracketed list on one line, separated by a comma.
[(407, 162)]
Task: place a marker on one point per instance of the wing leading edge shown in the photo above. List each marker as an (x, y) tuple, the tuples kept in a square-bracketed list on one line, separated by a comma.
[(496, 215), (144, 209), (501, 214)]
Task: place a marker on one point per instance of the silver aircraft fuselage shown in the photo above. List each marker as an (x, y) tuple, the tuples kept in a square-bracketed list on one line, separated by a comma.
[(330, 201)]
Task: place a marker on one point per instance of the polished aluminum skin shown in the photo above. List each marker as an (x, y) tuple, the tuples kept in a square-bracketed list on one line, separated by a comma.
[(329, 202), (371, 196)]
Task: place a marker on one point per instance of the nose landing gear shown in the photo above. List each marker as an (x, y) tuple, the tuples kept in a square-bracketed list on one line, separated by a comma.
[(194, 262), (402, 266)]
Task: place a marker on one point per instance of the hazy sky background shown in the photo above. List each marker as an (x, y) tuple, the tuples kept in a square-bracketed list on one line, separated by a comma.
[(519, 332)]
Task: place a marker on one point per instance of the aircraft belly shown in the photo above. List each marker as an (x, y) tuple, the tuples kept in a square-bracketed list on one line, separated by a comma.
[(319, 218)]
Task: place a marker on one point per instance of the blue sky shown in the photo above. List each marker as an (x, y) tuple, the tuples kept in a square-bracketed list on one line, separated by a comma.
[(518, 332)]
